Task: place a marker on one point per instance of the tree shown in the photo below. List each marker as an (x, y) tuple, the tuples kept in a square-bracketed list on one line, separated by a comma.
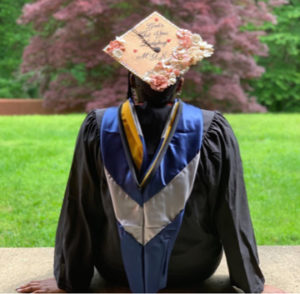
[(66, 54), (279, 86), (12, 42)]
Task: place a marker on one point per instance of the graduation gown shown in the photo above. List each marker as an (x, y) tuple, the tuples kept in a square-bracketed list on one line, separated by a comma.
[(214, 215)]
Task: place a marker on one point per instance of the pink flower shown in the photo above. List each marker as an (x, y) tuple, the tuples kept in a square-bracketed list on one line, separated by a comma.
[(183, 33), (185, 42), (159, 83), (115, 45), (185, 38), (177, 72), (181, 58), (159, 66)]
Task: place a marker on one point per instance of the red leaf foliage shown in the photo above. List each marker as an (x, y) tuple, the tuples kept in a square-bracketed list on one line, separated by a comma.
[(73, 32)]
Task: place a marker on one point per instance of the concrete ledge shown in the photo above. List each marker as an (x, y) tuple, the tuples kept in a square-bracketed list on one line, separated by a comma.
[(280, 265)]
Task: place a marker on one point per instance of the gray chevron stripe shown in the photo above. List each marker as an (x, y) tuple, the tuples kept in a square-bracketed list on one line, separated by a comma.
[(144, 223), (127, 211)]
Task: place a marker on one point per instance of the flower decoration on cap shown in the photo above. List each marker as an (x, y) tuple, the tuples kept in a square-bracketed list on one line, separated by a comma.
[(157, 51), (191, 49), (116, 48)]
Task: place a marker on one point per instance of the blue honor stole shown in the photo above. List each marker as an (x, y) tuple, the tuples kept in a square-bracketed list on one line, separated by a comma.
[(149, 197)]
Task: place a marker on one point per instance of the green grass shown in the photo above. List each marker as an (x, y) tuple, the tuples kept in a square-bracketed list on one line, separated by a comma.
[(36, 153), (270, 149), (35, 157)]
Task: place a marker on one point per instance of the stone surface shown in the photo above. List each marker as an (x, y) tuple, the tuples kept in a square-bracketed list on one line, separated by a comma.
[(280, 265)]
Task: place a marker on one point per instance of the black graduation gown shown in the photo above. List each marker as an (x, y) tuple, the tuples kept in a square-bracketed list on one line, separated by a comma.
[(216, 217)]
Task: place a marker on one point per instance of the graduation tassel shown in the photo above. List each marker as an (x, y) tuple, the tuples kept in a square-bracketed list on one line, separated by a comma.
[(129, 91)]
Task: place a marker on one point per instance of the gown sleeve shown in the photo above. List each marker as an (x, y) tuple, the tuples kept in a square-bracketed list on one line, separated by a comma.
[(230, 211), (73, 258)]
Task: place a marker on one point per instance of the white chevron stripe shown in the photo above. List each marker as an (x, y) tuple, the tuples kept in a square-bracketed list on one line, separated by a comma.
[(144, 223), (127, 211)]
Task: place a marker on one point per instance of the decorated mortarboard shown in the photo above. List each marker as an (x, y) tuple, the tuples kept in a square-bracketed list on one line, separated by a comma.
[(157, 51)]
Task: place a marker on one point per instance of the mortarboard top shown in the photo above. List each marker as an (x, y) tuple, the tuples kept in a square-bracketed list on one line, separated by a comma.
[(157, 51)]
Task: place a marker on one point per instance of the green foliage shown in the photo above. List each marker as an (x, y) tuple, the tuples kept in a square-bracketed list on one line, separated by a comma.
[(36, 153), (279, 87), (13, 40), (79, 73), (9, 88), (18, 87)]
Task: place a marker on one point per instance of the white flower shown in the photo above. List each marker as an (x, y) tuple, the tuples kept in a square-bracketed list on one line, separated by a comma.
[(176, 63), (167, 62), (183, 71), (182, 32), (196, 38), (196, 54), (207, 49), (205, 45), (119, 39), (117, 53), (172, 79), (147, 77), (207, 53)]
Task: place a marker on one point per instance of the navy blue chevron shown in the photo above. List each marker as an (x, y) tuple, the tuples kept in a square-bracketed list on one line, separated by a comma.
[(183, 147), (147, 266), (114, 157)]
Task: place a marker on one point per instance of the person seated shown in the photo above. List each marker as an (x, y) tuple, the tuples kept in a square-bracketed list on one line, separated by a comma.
[(156, 190)]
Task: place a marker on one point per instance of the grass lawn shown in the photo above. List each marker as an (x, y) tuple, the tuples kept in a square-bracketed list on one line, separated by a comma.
[(36, 153)]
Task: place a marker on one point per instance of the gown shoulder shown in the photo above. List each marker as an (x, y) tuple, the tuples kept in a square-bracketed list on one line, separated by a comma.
[(89, 130), (222, 172), (219, 135)]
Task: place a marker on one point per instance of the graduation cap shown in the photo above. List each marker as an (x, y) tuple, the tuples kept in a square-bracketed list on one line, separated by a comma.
[(157, 51)]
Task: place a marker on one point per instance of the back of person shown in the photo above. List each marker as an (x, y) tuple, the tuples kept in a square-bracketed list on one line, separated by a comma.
[(208, 218), (197, 249), (156, 186)]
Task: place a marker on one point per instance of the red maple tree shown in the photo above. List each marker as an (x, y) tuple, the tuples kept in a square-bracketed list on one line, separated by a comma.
[(66, 53)]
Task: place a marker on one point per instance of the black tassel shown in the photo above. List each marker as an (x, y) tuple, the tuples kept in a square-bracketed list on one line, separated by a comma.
[(129, 91)]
